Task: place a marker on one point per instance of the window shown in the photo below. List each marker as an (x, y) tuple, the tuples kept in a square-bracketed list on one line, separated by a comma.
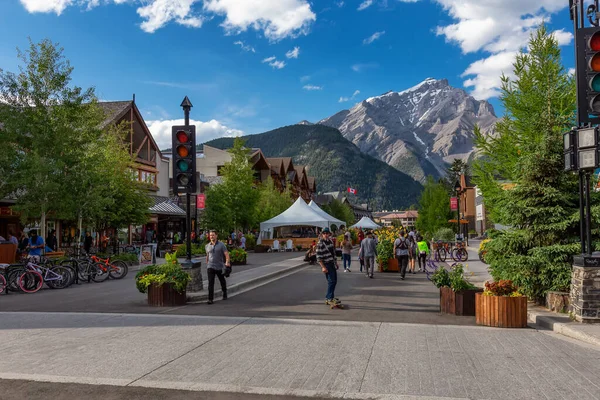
[(148, 177)]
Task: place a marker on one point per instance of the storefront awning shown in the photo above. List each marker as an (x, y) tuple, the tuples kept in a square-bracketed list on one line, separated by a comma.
[(167, 208)]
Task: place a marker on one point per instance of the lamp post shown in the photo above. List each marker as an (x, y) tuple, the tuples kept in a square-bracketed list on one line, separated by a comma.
[(457, 189)]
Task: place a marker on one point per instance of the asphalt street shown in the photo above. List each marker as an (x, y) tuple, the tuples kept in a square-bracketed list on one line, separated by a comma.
[(385, 298)]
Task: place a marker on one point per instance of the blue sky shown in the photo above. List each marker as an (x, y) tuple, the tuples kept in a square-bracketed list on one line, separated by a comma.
[(253, 65)]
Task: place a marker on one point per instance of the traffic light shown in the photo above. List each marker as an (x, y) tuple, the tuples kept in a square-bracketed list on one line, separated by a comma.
[(588, 75), (184, 159), (570, 150)]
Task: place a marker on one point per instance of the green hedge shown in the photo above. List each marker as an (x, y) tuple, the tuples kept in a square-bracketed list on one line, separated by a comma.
[(197, 250)]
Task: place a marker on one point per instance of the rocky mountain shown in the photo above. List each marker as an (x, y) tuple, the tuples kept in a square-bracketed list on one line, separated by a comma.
[(336, 164), (418, 131)]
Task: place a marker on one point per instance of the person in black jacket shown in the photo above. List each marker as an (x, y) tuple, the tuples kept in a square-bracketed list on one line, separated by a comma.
[(87, 242), (51, 240)]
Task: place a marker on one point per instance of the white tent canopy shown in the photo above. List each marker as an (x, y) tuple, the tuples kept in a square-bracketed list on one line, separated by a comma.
[(365, 223), (332, 220), (299, 214)]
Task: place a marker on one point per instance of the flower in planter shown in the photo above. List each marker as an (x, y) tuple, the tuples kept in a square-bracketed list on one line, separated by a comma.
[(170, 272), (501, 288), (238, 255)]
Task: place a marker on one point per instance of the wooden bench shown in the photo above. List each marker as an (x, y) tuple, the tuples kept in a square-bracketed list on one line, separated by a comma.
[(55, 254)]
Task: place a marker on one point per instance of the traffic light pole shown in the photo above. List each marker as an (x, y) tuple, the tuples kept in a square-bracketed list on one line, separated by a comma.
[(188, 213)]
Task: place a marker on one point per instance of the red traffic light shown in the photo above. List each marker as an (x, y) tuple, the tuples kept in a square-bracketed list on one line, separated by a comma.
[(183, 137), (594, 42)]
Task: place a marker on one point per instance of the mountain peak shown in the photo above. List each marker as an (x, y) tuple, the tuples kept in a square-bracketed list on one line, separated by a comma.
[(304, 122)]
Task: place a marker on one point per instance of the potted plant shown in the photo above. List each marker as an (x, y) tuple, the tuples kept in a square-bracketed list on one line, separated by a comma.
[(298, 247), (238, 256), (259, 248), (385, 256), (501, 305), (165, 284), (457, 294)]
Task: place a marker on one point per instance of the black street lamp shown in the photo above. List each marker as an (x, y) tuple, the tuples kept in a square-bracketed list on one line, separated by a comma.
[(458, 190)]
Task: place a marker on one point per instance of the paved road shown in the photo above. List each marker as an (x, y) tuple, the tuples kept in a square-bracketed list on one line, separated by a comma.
[(111, 295), (20, 389), (300, 295)]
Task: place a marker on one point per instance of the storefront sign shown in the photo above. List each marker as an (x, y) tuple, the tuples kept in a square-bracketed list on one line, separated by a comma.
[(148, 254), (8, 211), (200, 200), (453, 203)]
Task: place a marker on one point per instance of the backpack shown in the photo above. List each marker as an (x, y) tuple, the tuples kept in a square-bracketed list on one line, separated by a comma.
[(402, 245)]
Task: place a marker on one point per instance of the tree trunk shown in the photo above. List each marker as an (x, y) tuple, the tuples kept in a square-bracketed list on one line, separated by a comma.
[(79, 227)]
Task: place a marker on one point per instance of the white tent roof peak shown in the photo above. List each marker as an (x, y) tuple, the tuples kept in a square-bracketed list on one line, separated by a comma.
[(298, 214), (331, 219), (367, 223)]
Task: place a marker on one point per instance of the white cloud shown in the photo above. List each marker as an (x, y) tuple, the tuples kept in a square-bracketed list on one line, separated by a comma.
[(373, 37), (499, 28), (245, 47), (362, 67), (161, 131), (293, 53), (340, 4), (345, 99), (487, 71), (364, 5), (273, 62), (276, 19), (571, 71), (563, 38), (305, 78), (312, 87)]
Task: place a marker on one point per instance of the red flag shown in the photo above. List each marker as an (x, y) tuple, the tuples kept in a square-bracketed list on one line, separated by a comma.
[(351, 190)]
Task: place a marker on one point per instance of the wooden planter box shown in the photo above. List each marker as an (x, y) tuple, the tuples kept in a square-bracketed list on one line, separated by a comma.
[(462, 303), (501, 311), (165, 296), (392, 266), (261, 249)]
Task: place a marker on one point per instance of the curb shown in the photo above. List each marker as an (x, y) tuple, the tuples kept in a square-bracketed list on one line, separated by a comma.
[(238, 287), (538, 320)]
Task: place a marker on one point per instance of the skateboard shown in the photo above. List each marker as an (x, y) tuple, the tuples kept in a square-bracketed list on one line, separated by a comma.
[(335, 304)]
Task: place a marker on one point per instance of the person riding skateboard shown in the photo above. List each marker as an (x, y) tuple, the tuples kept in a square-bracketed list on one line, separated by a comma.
[(329, 265)]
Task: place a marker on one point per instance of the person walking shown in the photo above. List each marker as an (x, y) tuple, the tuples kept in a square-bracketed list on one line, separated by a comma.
[(412, 253), (368, 250), (216, 254), (401, 245), (423, 252), (346, 246), (329, 265)]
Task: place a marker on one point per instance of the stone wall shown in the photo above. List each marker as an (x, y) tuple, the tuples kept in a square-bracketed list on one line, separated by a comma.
[(585, 294)]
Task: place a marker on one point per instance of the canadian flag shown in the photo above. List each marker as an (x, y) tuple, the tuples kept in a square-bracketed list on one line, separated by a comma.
[(350, 190)]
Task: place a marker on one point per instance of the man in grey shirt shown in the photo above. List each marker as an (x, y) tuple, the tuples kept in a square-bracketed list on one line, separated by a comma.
[(368, 249), (216, 254)]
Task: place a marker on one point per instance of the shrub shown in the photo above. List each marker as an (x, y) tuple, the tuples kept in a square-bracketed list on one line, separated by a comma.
[(501, 288), (444, 234), (126, 257), (238, 255), (170, 272), (197, 250), (458, 283), (250, 242), (385, 251), (441, 278)]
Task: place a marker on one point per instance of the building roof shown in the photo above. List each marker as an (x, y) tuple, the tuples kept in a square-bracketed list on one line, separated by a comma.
[(400, 215), (164, 206), (114, 110)]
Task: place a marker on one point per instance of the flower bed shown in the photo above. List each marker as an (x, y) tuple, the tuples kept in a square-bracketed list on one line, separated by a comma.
[(165, 284), (501, 305), (457, 294)]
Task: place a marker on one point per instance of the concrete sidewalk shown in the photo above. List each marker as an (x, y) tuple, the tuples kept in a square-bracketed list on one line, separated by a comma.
[(541, 318), (350, 360)]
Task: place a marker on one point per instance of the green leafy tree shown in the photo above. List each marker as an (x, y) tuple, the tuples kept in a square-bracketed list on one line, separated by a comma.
[(434, 208), (232, 204), (453, 173), (542, 206), (47, 125), (271, 201), (341, 211)]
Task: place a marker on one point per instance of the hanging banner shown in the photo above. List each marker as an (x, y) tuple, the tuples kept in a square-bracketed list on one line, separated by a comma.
[(453, 203), (200, 200)]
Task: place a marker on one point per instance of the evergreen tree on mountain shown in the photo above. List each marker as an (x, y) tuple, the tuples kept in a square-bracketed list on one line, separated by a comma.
[(453, 173), (541, 203)]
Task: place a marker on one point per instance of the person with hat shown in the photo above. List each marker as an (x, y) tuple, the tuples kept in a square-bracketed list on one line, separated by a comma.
[(368, 250), (327, 260)]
